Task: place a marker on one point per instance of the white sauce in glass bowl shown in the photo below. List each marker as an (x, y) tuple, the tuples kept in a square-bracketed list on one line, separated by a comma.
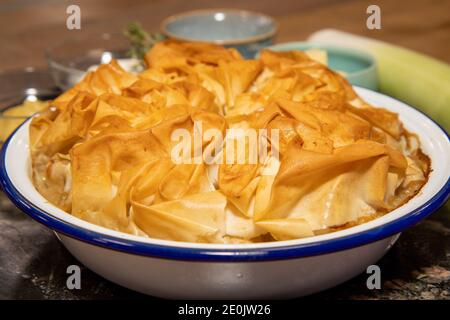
[(131, 65)]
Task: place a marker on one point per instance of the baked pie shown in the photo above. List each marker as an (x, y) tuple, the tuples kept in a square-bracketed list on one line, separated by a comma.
[(103, 150)]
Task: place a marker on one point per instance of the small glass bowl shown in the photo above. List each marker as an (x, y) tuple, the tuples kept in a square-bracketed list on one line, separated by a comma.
[(70, 59), (18, 86)]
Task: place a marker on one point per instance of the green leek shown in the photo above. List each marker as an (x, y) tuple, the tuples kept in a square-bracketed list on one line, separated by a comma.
[(414, 78)]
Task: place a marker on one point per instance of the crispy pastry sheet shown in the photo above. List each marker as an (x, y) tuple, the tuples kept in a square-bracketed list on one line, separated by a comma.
[(102, 150)]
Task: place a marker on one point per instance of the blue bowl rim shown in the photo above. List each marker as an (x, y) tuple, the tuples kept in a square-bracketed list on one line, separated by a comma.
[(220, 255), (248, 40)]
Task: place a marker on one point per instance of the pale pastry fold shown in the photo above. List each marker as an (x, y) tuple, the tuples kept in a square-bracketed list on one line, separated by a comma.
[(104, 150)]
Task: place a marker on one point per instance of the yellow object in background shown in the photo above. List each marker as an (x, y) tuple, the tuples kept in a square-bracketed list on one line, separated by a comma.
[(318, 55), (11, 118)]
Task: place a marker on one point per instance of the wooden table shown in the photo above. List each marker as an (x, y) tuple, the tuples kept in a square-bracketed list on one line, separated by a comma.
[(27, 27)]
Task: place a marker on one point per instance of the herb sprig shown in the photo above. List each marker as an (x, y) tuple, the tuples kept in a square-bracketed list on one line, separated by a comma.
[(140, 40)]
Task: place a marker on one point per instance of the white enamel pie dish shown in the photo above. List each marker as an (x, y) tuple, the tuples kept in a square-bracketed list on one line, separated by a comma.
[(266, 270)]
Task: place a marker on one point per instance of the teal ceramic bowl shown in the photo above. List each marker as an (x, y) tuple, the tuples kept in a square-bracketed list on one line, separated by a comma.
[(246, 31), (359, 67)]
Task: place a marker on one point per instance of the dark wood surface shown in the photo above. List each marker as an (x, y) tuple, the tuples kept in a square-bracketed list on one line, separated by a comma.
[(27, 27), (33, 263)]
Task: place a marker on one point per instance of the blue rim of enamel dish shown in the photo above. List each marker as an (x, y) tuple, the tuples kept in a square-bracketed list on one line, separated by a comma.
[(220, 255)]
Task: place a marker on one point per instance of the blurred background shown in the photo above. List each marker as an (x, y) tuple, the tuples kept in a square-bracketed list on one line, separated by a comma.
[(27, 27)]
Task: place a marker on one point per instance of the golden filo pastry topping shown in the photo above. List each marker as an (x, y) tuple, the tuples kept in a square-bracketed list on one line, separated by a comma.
[(204, 146)]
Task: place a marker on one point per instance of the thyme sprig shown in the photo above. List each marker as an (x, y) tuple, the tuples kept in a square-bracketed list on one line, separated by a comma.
[(140, 40)]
